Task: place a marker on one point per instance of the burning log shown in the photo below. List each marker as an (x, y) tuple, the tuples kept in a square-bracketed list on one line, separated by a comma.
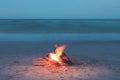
[(57, 56)]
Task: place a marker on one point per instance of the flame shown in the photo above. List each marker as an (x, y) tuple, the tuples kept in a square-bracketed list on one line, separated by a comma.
[(57, 55), (54, 57)]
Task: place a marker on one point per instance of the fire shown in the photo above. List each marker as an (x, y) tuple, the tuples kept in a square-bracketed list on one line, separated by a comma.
[(54, 57), (57, 54)]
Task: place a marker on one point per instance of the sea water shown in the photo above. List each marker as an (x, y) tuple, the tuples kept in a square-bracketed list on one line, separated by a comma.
[(59, 29)]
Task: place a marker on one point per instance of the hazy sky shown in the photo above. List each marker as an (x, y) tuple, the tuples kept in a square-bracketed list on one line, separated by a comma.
[(60, 9)]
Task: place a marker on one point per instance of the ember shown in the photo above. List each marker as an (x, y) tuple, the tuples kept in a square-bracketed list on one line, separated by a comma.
[(57, 56)]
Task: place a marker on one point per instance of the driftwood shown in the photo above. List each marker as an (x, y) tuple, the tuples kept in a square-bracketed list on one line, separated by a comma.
[(39, 62)]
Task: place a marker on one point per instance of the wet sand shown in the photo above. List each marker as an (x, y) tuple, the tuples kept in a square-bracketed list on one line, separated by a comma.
[(92, 61)]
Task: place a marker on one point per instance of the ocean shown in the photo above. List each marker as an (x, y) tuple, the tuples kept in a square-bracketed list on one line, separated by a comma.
[(59, 29)]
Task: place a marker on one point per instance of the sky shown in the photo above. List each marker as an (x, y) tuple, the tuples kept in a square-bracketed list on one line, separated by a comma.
[(59, 9)]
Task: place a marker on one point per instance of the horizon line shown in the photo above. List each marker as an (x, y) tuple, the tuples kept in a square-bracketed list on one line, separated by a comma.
[(58, 19)]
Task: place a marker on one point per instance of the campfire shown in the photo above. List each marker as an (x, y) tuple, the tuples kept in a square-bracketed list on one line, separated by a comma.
[(55, 57)]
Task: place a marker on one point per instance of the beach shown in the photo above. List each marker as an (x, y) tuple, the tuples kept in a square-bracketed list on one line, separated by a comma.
[(93, 60)]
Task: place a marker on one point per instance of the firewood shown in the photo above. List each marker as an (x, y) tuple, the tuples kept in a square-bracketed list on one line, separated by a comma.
[(39, 62)]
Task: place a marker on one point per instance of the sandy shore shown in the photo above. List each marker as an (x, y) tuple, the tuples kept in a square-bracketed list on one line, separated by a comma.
[(93, 61)]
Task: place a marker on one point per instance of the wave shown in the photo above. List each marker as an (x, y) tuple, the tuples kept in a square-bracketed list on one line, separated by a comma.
[(51, 37)]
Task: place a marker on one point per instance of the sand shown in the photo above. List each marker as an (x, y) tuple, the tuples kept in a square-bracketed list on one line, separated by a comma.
[(92, 61)]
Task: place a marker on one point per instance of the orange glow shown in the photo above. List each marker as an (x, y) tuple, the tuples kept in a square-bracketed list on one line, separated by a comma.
[(56, 56)]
